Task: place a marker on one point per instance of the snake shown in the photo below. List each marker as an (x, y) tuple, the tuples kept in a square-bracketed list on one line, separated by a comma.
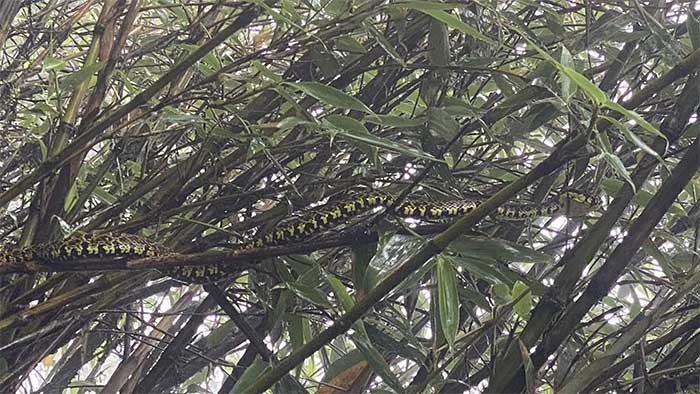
[(79, 245)]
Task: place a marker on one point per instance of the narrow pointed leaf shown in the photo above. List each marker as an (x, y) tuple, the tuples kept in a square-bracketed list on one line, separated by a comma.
[(448, 299), (331, 96)]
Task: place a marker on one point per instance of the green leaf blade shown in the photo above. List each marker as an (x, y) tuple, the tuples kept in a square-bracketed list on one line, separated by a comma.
[(448, 299), (331, 96)]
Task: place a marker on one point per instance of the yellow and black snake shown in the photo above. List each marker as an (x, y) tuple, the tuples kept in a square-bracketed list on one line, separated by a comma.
[(90, 245)]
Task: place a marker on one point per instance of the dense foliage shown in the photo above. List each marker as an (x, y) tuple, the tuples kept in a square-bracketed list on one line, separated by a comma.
[(199, 123)]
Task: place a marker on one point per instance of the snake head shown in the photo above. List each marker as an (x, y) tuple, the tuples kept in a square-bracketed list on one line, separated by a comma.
[(577, 203)]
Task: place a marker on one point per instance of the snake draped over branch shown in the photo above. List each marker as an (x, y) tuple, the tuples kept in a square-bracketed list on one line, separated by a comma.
[(570, 203)]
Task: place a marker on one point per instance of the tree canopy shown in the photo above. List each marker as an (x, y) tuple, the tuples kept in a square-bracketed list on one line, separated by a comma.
[(199, 124)]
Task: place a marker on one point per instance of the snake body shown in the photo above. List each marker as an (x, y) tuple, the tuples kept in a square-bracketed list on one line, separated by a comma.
[(129, 246)]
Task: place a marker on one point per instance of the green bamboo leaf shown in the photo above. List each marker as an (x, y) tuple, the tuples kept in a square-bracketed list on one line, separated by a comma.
[(598, 96), (347, 123), (523, 307), (528, 367), (604, 141), (342, 364), (71, 197), (637, 118), (42, 147), (633, 138), (613, 160), (266, 72), (384, 43), (355, 127), (220, 333), (426, 5), (442, 123), (359, 136), (611, 185), (485, 269), (52, 63), (325, 60), (452, 21), (392, 121), (104, 196), (497, 249), (619, 167), (567, 90), (250, 376), (331, 96), (474, 296), (72, 80), (501, 293), (693, 30), (293, 121), (377, 362), (361, 256), (310, 294), (295, 324), (279, 311), (448, 299), (351, 45), (289, 98), (45, 109), (379, 365), (340, 291), (281, 19), (592, 91), (338, 8)]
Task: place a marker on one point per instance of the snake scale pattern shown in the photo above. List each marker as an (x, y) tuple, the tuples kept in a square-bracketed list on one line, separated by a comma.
[(90, 245)]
